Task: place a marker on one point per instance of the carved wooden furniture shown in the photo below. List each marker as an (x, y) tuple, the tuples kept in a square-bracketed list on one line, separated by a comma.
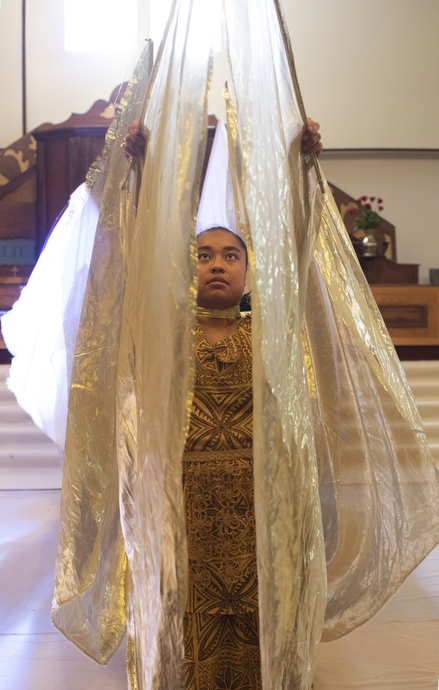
[(18, 205), (378, 269), (64, 156), (410, 312), (66, 151)]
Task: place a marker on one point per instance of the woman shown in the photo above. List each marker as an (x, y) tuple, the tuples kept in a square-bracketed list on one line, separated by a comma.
[(221, 619)]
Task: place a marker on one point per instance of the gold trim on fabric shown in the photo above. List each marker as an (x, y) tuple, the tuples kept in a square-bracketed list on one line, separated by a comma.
[(231, 313), (97, 166), (236, 173), (292, 66)]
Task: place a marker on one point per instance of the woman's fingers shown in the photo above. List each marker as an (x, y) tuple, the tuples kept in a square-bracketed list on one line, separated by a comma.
[(136, 140), (133, 150), (312, 145), (311, 140)]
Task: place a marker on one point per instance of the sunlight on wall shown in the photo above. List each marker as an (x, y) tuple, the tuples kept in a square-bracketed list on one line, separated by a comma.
[(159, 12), (99, 25)]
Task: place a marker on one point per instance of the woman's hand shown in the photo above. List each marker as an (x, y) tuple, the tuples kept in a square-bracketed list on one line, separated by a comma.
[(136, 140), (311, 139)]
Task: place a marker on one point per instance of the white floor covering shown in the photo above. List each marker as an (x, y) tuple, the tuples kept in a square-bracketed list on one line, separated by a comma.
[(397, 650)]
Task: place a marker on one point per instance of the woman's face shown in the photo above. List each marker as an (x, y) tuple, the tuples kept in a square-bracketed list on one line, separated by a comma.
[(221, 269)]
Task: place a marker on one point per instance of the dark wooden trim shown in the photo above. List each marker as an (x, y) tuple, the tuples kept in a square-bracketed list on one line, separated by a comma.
[(404, 315), (5, 355), (21, 215), (15, 274), (403, 150), (17, 181), (40, 233), (380, 271), (92, 118), (417, 352), (371, 154), (67, 132)]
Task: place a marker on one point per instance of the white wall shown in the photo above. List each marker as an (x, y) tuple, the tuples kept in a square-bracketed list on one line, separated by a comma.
[(369, 70), (60, 82), (10, 71)]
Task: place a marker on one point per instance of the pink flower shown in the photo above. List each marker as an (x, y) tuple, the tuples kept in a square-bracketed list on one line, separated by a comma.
[(380, 208), (380, 201), (351, 211), (368, 206), (363, 198), (372, 198)]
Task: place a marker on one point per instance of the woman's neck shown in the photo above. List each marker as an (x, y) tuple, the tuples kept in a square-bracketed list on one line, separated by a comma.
[(218, 324)]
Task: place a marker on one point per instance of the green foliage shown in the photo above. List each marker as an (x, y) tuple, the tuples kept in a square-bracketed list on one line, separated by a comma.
[(368, 219)]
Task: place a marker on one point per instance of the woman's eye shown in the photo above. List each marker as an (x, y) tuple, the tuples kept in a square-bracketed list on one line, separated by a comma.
[(231, 256), (203, 256)]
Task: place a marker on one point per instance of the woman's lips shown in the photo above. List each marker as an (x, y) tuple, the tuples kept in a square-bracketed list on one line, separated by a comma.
[(217, 280)]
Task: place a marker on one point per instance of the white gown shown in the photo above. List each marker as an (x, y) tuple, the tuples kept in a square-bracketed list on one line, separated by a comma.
[(40, 330)]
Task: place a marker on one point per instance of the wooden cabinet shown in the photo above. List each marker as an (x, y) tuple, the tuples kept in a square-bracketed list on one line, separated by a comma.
[(64, 156), (410, 312)]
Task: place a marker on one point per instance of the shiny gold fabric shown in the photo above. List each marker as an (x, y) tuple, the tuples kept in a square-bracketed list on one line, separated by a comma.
[(89, 600), (290, 551), (378, 482), (331, 403)]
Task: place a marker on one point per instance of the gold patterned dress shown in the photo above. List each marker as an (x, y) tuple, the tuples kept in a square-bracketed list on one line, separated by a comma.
[(221, 619)]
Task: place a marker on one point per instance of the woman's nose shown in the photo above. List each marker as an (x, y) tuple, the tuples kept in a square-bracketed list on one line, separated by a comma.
[(218, 265)]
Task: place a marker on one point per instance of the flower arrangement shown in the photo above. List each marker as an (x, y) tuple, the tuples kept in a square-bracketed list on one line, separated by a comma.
[(368, 216)]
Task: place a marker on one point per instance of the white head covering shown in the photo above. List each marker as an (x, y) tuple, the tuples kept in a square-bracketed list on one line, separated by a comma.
[(217, 208)]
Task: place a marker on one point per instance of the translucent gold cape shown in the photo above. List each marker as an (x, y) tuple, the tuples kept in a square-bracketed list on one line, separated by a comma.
[(332, 410)]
